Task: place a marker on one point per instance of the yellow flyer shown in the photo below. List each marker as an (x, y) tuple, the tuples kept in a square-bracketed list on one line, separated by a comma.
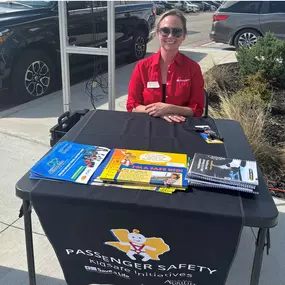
[(146, 168)]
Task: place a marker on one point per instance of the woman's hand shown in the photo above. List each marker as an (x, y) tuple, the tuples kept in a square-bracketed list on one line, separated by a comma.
[(164, 111), (174, 118), (158, 109)]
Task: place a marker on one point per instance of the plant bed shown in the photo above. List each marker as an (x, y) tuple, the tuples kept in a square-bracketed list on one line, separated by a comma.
[(226, 80)]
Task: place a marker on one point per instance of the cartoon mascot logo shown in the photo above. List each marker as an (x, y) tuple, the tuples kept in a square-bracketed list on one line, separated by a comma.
[(135, 243)]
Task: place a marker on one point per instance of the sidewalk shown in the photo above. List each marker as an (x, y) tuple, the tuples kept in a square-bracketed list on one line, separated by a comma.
[(24, 138)]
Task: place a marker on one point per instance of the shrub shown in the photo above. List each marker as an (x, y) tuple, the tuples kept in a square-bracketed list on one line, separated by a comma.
[(251, 112), (222, 79), (256, 86), (268, 56)]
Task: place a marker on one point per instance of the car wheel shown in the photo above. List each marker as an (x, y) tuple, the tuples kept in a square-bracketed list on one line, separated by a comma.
[(246, 38), (33, 75), (139, 46)]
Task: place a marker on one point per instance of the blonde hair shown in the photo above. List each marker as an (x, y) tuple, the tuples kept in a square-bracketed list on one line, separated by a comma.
[(172, 12)]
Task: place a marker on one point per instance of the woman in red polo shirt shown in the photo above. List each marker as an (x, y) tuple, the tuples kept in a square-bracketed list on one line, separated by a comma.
[(168, 84)]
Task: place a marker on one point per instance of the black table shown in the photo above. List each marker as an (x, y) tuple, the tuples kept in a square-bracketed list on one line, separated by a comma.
[(258, 211)]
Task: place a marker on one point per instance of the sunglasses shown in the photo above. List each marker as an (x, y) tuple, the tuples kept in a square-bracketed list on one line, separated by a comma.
[(175, 32)]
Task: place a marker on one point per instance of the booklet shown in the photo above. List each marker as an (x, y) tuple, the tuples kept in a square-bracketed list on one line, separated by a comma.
[(70, 161), (229, 171), (206, 184), (146, 168), (96, 180)]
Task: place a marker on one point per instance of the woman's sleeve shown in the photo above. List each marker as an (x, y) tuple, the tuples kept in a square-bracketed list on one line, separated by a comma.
[(196, 101), (135, 91)]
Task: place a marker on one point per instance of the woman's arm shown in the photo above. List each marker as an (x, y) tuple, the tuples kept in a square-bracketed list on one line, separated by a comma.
[(182, 111), (135, 99), (163, 109), (195, 104), (196, 100), (140, 109)]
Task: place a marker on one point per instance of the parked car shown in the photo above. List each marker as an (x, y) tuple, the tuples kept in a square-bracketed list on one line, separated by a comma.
[(159, 6), (190, 7), (216, 4), (29, 39), (179, 5), (166, 5), (240, 23), (204, 6)]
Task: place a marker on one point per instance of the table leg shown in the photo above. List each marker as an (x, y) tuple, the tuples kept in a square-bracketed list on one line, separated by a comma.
[(257, 262), (29, 242)]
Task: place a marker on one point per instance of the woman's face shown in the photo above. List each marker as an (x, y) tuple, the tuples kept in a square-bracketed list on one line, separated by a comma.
[(170, 33)]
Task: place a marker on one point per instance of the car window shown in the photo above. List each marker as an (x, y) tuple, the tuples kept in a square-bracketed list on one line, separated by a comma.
[(136, 2), (241, 7), (276, 7), (75, 5), (97, 3)]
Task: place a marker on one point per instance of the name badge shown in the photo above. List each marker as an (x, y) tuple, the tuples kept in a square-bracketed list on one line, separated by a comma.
[(153, 84)]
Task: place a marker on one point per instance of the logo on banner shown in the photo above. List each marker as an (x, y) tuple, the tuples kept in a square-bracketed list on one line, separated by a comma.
[(135, 244)]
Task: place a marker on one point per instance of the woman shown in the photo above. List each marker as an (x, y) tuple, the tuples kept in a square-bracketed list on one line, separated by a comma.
[(168, 84)]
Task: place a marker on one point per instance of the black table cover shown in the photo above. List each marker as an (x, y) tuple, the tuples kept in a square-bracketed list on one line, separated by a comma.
[(108, 235)]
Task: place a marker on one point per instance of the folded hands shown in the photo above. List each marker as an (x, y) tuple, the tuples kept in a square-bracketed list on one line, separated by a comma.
[(165, 111)]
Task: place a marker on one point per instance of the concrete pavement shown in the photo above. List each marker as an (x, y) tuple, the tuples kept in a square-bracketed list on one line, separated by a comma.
[(24, 138)]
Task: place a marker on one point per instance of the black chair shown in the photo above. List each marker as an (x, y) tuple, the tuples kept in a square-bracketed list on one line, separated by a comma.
[(206, 109)]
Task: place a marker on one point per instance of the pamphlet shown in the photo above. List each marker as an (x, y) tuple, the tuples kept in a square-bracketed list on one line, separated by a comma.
[(146, 168), (70, 161)]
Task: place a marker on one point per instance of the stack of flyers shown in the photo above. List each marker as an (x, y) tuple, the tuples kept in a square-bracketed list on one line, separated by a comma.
[(69, 161)]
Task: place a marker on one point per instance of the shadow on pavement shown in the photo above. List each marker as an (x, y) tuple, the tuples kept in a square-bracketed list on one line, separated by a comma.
[(6, 101), (11, 276), (229, 48)]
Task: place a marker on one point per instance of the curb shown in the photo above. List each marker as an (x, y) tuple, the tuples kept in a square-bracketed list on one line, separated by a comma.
[(203, 44)]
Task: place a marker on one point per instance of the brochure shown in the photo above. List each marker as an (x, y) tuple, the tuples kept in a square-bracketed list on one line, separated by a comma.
[(70, 161), (96, 180), (146, 168)]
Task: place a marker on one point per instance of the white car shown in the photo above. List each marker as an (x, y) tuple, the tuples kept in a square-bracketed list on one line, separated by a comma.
[(190, 7)]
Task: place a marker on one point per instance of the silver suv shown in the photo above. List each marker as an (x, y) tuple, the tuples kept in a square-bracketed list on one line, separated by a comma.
[(240, 23)]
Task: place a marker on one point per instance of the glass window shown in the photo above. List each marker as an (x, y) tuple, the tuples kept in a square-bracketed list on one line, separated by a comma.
[(136, 2), (75, 5), (94, 4), (276, 7), (241, 7)]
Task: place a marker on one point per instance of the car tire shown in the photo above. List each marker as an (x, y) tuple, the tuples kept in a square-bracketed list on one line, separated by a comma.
[(33, 76), (139, 46), (249, 36)]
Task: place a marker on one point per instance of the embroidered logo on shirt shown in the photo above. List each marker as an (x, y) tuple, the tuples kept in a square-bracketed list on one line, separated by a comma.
[(182, 80)]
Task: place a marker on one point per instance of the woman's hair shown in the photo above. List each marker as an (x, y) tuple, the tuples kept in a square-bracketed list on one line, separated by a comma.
[(176, 175), (173, 12)]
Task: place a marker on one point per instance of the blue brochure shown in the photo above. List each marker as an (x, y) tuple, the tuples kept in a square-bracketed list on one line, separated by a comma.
[(70, 161)]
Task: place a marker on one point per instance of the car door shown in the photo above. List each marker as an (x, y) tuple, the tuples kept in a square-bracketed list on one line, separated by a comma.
[(272, 18), (122, 16), (126, 18)]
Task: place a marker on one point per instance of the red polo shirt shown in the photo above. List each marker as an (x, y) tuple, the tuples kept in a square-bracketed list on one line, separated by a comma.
[(184, 84)]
